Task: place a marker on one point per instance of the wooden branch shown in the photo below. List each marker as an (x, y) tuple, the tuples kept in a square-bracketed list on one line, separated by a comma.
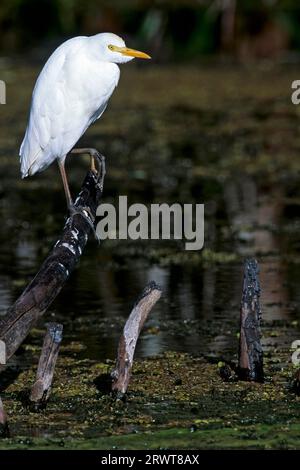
[(3, 421), (121, 375), (54, 272), (41, 389), (250, 351)]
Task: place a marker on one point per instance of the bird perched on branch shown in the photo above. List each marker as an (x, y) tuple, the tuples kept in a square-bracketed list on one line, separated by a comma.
[(71, 92)]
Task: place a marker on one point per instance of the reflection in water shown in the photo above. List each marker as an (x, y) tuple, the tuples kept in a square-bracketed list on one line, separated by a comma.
[(255, 216), (199, 310)]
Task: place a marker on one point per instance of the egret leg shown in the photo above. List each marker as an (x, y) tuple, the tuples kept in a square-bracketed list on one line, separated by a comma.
[(83, 211), (61, 165)]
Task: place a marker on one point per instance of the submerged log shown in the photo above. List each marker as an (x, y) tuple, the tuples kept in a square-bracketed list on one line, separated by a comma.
[(121, 375), (3, 421), (41, 389), (250, 366), (54, 272)]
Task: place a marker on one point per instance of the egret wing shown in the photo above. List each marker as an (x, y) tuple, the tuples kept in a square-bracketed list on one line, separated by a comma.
[(70, 94)]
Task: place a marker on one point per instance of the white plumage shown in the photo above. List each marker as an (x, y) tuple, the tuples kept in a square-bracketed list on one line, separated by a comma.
[(71, 92)]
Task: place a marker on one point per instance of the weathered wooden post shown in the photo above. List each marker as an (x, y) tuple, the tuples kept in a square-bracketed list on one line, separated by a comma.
[(41, 389), (250, 365), (121, 374)]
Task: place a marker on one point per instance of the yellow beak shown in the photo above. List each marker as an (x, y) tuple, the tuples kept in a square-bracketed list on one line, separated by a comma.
[(129, 52)]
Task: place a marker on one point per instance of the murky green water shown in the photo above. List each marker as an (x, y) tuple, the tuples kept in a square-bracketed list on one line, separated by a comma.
[(225, 137)]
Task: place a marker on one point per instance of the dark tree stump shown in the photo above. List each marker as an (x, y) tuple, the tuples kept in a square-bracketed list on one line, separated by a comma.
[(121, 375), (54, 272), (41, 389), (296, 382), (3, 421), (250, 366)]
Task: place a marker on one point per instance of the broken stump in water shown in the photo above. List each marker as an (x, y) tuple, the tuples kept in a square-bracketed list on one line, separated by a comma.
[(41, 389), (121, 374), (250, 367)]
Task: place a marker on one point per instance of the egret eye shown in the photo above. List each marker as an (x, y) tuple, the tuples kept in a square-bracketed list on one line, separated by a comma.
[(111, 47)]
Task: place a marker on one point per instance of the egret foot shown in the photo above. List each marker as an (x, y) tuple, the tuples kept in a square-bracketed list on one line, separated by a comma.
[(96, 157)]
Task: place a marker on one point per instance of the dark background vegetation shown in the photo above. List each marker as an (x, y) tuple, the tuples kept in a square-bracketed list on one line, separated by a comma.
[(171, 29)]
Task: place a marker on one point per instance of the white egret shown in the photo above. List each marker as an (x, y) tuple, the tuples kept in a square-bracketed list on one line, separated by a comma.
[(71, 92)]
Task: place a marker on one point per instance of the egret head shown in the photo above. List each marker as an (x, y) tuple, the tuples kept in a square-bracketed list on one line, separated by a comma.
[(113, 49)]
